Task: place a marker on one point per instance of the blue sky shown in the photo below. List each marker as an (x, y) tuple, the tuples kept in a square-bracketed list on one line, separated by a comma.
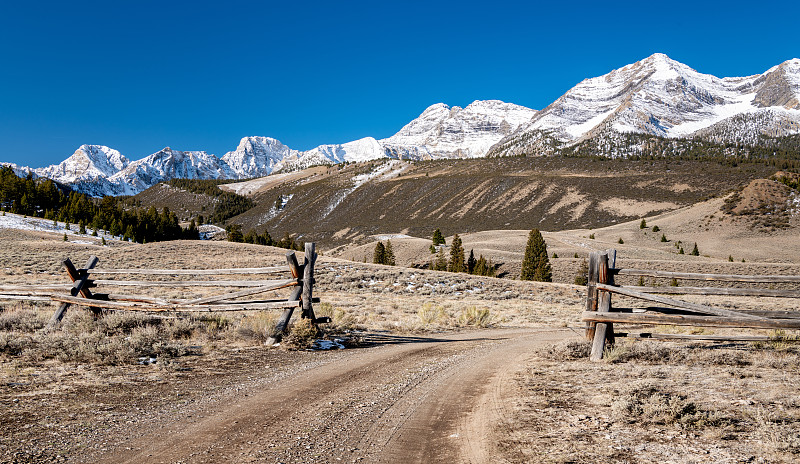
[(139, 76)]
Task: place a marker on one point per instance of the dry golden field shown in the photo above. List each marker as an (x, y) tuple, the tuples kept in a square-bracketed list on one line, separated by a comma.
[(76, 394)]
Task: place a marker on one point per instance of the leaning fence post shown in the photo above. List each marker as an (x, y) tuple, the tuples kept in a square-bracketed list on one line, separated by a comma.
[(603, 306), (283, 321), (79, 280), (308, 281)]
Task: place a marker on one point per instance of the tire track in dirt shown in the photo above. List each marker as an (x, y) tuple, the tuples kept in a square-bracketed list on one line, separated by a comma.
[(417, 400)]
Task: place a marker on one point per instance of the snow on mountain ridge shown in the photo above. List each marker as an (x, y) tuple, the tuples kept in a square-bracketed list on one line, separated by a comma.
[(454, 132), (656, 95), (89, 162), (663, 97), (257, 156)]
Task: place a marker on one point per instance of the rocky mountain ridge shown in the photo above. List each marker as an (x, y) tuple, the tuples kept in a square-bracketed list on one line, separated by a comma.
[(656, 96)]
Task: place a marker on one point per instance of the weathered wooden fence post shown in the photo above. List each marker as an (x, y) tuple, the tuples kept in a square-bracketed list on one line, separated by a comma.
[(591, 291), (308, 281), (79, 280), (283, 321), (603, 331)]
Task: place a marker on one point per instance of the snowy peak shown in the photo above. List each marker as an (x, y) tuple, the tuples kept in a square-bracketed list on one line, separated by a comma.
[(442, 131), (256, 156), (168, 164), (89, 162), (663, 97), (365, 149)]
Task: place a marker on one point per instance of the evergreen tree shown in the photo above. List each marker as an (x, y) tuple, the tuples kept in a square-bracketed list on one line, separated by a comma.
[(81, 227), (695, 251), (471, 262), (440, 263), (535, 264), (582, 277), (643, 224), (456, 263), (234, 232), (379, 255), (438, 238), (389, 255)]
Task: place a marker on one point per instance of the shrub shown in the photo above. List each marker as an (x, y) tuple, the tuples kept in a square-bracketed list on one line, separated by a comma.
[(430, 313), (476, 317), (302, 335), (567, 351)]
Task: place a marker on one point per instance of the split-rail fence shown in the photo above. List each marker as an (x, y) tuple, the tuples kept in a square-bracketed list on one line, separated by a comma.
[(600, 316), (300, 280)]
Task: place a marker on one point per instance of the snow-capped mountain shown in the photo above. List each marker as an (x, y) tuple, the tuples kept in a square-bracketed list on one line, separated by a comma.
[(453, 132), (257, 156), (660, 96), (656, 96), (88, 163), (169, 164)]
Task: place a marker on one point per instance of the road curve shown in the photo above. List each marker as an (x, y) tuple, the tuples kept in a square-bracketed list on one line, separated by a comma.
[(410, 399)]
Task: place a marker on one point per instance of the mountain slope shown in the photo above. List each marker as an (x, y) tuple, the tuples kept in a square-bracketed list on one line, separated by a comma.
[(656, 96), (168, 164), (660, 96), (257, 156), (349, 203)]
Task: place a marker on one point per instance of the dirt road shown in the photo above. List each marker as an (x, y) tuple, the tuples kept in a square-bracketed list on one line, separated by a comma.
[(409, 399)]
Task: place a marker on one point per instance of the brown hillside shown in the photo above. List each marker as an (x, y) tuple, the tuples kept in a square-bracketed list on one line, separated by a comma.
[(350, 203)]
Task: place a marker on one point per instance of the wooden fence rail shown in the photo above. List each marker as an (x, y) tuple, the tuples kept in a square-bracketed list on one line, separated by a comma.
[(600, 317), (301, 281)]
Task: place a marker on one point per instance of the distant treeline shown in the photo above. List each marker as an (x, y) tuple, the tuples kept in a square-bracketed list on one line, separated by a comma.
[(234, 232), (44, 198), (228, 204), (780, 152)]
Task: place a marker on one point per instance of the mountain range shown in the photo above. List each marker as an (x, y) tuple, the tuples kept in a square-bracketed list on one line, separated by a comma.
[(657, 96)]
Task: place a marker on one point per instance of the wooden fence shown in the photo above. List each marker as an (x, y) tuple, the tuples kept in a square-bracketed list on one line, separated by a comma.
[(600, 316), (300, 279)]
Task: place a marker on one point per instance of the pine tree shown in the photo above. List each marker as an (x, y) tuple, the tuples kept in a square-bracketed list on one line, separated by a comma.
[(379, 255), (389, 255), (471, 261), (582, 277), (695, 251), (438, 238), (535, 264), (643, 224), (234, 233), (440, 263), (456, 263)]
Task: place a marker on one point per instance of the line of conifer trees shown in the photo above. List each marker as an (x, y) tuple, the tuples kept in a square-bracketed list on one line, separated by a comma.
[(44, 198), (234, 232), (456, 262)]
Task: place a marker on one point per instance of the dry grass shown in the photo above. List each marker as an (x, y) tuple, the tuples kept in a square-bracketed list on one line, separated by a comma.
[(658, 402)]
